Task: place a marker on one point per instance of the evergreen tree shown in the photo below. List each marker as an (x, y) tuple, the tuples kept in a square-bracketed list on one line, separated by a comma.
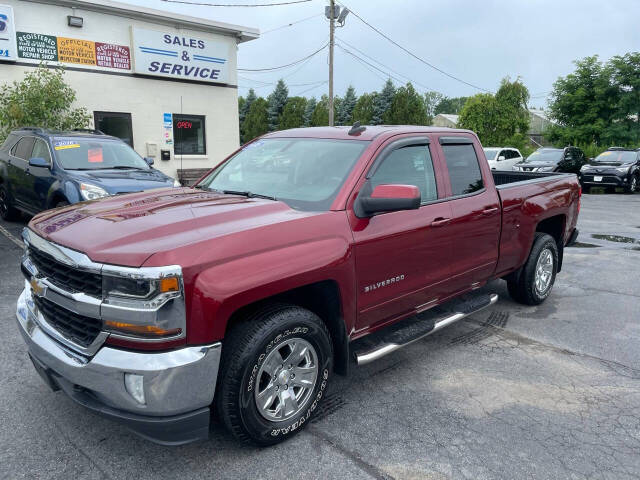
[(256, 122), (407, 108), (320, 117), (245, 104), (345, 109), (383, 103), (308, 111), (293, 113), (277, 101), (363, 110)]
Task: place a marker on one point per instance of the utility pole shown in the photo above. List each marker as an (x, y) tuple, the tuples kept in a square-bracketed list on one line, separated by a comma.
[(332, 29)]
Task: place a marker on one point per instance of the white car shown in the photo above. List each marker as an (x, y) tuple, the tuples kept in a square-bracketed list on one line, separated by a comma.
[(502, 158)]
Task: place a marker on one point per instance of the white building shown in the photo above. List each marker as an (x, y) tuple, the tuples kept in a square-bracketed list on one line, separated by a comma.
[(445, 120), (165, 83)]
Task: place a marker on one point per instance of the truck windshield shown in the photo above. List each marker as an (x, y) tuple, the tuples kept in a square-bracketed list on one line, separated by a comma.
[(96, 154), (545, 156), (305, 173)]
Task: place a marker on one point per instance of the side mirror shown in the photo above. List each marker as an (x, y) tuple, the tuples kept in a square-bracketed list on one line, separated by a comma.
[(149, 160), (501, 157), (388, 198), (38, 162)]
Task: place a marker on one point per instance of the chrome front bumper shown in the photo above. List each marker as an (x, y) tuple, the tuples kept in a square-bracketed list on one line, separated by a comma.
[(178, 384)]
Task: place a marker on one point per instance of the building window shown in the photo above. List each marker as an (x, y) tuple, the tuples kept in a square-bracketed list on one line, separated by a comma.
[(188, 135), (115, 124)]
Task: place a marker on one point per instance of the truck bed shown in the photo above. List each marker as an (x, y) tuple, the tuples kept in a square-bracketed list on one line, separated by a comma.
[(505, 179)]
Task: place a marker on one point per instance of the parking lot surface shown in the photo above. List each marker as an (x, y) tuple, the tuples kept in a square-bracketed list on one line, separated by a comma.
[(512, 392)]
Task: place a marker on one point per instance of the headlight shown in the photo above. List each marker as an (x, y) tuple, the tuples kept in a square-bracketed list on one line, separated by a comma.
[(92, 192), (515, 169), (623, 169), (176, 183), (546, 169), (584, 168)]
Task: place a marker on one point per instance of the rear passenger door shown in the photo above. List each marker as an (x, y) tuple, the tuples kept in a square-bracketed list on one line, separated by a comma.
[(18, 166), (475, 209)]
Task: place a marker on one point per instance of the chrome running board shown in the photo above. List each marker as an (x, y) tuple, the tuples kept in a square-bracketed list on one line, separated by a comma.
[(422, 328)]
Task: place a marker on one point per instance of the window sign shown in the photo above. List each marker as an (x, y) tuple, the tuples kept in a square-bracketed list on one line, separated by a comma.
[(73, 50), (189, 134), (113, 56), (35, 46), (7, 34), (182, 56)]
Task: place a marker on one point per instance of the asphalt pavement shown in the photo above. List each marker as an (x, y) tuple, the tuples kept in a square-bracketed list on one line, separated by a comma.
[(512, 392)]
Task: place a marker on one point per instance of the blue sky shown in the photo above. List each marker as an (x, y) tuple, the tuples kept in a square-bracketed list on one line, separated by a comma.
[(478, 41)]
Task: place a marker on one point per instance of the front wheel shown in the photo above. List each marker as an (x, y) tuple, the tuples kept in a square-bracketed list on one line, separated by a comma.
[(7, 210), (275, 369), (633, 185), (534, 282)]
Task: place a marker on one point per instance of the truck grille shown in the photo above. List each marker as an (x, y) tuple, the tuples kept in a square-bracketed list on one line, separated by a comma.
[(77, 328), (66, 277)]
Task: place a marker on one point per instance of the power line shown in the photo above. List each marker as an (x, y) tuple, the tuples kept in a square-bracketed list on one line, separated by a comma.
[(237, 4), (324, 82), (413, 54), (284, 66), (290, 24)]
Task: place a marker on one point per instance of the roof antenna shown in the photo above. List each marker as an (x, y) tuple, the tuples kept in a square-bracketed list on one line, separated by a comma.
[(357, 129)]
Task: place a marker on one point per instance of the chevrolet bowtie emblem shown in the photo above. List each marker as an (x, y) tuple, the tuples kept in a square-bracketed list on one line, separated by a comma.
[(36, 287)]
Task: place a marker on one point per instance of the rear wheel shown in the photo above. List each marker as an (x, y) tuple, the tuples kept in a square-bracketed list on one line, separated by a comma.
[(275, 369), (7, 211), (533, 284)]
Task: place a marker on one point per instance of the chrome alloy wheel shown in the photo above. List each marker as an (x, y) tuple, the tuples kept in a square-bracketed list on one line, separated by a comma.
[(634, 184), (286, 379), (544, 272)]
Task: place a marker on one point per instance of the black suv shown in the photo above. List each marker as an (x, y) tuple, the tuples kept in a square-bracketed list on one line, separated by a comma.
[(615, 167), (568, 159), (42, 169)]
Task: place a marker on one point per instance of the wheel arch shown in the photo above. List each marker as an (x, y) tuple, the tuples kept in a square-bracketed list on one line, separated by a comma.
[(555, 227)]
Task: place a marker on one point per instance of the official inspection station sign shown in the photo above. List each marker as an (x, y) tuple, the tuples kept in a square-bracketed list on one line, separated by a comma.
[(7, 34), (180, 56), (73, 50)]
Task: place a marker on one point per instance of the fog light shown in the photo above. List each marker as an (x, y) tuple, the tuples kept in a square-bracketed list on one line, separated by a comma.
[(135, 386)]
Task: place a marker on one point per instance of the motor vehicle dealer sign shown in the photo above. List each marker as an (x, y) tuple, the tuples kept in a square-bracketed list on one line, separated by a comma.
[(7, 34), (180, 56)]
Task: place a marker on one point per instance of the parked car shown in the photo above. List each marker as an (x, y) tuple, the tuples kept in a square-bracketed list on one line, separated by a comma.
[(42, 169), (251, 289), (616, 167), (568, 160), (502, 158)]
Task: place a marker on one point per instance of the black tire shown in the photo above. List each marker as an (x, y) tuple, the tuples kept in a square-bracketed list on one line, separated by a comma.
[(7, 211), (62, 203), (246, 349), (633, 187), (522, 287)]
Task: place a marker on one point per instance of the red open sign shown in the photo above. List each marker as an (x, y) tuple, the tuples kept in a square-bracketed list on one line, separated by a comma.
[(184, 124)]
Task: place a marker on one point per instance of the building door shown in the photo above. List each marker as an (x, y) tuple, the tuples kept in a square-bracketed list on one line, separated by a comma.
[(116, 124)]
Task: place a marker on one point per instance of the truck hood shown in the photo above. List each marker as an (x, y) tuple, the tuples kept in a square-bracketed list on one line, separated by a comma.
[(123, 181), (128, 229)]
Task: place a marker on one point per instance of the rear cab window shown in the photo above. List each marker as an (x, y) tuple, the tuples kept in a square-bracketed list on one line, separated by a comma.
[(463, 166)]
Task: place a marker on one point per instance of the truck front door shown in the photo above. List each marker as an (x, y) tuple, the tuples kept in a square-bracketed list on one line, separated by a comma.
[(402, 258)]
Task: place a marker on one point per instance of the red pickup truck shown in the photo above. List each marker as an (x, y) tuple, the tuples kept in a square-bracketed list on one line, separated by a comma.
[(304, 252)]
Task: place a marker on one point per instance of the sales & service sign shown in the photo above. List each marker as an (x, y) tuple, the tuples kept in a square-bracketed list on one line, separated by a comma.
[(7, 34), (181, 56)]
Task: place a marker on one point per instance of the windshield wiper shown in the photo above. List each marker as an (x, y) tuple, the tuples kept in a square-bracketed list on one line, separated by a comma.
[(124, 167), (249, 194)]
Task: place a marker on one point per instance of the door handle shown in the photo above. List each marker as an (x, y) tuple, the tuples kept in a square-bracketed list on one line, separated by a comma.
[(489, 211), (440, 222)]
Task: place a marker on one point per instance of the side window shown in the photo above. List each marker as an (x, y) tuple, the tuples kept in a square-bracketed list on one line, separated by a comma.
[(23, 148), (464, 169), (503, 153), (41, 150), (411, 165)]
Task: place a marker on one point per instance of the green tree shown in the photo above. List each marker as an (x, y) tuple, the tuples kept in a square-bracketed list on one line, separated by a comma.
[(500, 119), (320, 117), (308, 111), (450, 105), (293, 113), (256, 122), (626, 76), (346, 107), (431, 101), (585, 105), (277, 100), (363, 110), (245, 104), (383, 103), (407, 108), (42, 99)]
